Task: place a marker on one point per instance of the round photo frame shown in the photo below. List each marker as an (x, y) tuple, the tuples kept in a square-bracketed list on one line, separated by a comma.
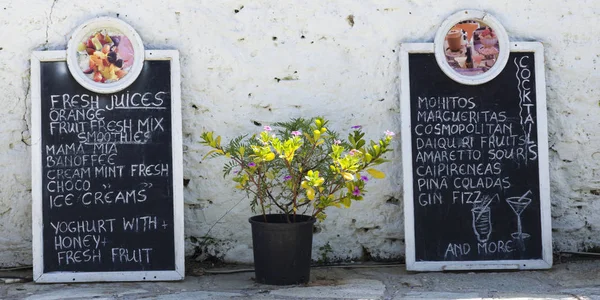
[(105, 55), (466, 73)]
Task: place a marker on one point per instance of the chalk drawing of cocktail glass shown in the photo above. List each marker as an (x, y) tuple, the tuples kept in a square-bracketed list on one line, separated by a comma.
[(482, 223), (482, 218), (518, 205)]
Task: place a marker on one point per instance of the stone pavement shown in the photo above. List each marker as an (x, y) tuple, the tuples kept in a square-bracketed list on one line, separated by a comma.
[(570, 280)]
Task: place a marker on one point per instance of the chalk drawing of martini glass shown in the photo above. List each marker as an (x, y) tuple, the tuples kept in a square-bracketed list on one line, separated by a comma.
[(518, 205)]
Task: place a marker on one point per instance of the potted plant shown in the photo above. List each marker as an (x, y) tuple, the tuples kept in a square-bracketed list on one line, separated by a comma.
[(292, 173)]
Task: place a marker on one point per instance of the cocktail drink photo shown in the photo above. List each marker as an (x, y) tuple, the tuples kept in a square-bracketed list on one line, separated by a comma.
[(488, 38), (477, 58), (469, 27), (454, 38), (471, 47), (518, 205), (489, 42)]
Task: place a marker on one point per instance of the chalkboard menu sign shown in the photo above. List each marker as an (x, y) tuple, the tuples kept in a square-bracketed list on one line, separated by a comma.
[(475, 165), (107, 178)]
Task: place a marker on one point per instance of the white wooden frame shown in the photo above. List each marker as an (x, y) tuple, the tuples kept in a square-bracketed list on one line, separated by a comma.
[(542, 132), (91, 26), (36, 156), (503, 44)]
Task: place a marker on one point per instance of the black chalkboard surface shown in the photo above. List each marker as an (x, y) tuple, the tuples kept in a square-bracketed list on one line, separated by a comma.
[(476, 182), (110, 207)]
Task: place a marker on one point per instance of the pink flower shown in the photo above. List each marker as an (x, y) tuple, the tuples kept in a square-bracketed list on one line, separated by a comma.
[(356, 127), (337, 142), (353, 151), (364, 178), (287, 177), (267, 128), (356, 191), (251, 165), (389, 133), (296, 133)]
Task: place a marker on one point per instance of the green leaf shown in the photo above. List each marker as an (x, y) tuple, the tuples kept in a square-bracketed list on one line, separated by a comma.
[(270, 175), (360, 144), (379, 161), (346, 202), (219, 151), (321, 216), (349, 176), (308, 138), (376, 174), (316, 134), (269, 157), (351, 139)]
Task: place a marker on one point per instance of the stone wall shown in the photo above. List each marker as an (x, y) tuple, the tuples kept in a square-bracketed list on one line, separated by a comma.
[(256, 62)]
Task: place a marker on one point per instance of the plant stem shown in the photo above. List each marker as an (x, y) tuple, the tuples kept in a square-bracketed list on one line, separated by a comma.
[(294, 192), (276, 203)]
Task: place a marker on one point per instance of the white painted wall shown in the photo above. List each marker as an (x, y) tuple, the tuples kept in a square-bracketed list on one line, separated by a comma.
[(348, 73)]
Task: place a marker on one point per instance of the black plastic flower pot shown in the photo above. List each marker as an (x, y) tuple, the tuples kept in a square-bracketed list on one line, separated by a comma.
[(282, 250)]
